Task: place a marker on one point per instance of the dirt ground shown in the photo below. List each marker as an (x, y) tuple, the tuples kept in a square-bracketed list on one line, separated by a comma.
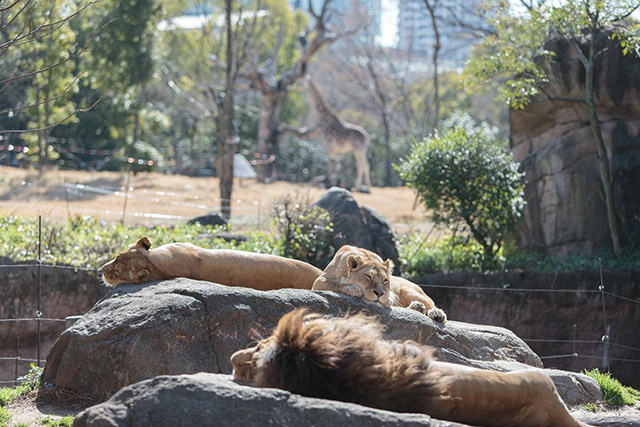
[(155, 198)]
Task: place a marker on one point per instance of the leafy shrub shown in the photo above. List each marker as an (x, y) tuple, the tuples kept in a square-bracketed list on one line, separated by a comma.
[(465, 177), (448, 254), (614, 392), (306, 233)]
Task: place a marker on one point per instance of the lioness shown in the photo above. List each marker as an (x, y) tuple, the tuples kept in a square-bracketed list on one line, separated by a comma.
[(362, 273), (226, 267), (347, 359)]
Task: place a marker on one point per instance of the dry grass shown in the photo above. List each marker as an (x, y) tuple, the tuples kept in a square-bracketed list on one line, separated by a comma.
[(157, 198)]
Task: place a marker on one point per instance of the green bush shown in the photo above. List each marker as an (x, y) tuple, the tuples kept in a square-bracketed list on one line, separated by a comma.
[(614, 392), (306, 233), (448, 254), (466, 178)]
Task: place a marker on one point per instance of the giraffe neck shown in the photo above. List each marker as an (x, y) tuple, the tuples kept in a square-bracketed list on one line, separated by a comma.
[(325, 112)]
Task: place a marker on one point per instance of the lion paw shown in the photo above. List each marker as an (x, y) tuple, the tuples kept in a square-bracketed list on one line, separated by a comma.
[(418, 306), (353, 290), (438, 315)]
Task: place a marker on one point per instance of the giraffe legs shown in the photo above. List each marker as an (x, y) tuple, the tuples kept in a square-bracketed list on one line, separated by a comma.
[(362, 164)]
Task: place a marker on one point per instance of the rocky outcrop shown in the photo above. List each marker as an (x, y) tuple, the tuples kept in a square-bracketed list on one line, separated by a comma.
[(359, 226), (210, 399), (553, 140), (184, 326)]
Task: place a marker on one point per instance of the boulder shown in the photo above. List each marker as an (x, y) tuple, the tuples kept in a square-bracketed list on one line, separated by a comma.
[(184, 326), (553, 141), (211, 399), (212, 219), (356, 225)]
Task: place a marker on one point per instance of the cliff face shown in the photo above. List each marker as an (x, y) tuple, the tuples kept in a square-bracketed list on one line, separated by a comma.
[(553, 140)]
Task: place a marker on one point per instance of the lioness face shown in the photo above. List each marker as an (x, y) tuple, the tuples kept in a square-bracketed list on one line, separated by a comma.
[(131, 266), (371, 277)]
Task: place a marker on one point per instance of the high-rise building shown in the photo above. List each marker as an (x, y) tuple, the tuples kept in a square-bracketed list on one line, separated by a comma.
[(455, 19), (345, 10)]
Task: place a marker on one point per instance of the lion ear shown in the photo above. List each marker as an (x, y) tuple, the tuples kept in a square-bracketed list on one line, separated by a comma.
[(143, 242), (389, 265), (353, 262), (143, 275)]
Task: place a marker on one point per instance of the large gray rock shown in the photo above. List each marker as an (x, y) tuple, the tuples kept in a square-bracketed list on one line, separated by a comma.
[(356, 225), (566, 212), (184, 326), (216, 400)]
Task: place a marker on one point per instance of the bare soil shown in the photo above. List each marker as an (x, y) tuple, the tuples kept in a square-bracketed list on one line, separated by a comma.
[(154, 198)]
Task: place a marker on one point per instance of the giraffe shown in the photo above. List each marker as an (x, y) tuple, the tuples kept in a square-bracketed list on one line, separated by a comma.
[(340, 137)]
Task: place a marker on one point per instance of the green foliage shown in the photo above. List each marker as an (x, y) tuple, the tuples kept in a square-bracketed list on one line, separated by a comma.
[(5, 417), (447, 254), (466, 179), (509, 56), (301, 160), (31, 381), (591, 407), (614, 392), (62, 422), (87, 242), (8, 394), (306, 233)]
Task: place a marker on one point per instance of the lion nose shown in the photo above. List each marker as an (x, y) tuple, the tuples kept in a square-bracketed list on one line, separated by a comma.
[(378, 292)]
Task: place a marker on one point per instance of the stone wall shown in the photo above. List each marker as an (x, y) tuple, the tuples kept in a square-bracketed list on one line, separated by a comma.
[(64, 292), (553, 140), (548, 316)]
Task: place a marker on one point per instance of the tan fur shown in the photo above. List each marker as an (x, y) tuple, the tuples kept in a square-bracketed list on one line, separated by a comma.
[(226, 267), (347, 359), (361, 273)]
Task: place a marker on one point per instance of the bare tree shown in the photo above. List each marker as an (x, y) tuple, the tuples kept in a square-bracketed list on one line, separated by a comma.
[(432, 5), (275, 89)]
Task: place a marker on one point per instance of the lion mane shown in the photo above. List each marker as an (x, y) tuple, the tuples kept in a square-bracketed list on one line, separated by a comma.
[(347, 359), (224, 266), (361, 273)]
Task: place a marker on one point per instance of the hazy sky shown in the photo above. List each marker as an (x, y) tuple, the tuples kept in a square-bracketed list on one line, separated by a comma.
[(389, 23)]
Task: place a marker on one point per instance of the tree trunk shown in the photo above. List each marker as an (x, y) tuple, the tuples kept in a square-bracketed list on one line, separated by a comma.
[(42, 149), (226, 133), (436, 51), (603, 157), (268, 134), (388, 169)]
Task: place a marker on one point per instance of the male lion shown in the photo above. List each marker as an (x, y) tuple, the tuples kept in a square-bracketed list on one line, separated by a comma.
[(361, 273), (227, 267), (347, 359)]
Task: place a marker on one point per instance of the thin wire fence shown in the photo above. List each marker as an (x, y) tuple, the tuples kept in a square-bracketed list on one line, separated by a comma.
[(604, 341)]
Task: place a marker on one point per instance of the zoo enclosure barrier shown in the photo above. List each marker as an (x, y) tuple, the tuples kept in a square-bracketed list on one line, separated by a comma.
[(605, 340)]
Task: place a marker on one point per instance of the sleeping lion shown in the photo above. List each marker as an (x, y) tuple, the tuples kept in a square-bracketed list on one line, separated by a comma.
[(227, 267), (362, 273), (347, 359)]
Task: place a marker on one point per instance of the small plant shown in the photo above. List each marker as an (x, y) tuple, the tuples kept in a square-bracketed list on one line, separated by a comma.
[(591, 407), (466, 178), (614, 392), (62, 422), (306, 233), (5, 416)]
